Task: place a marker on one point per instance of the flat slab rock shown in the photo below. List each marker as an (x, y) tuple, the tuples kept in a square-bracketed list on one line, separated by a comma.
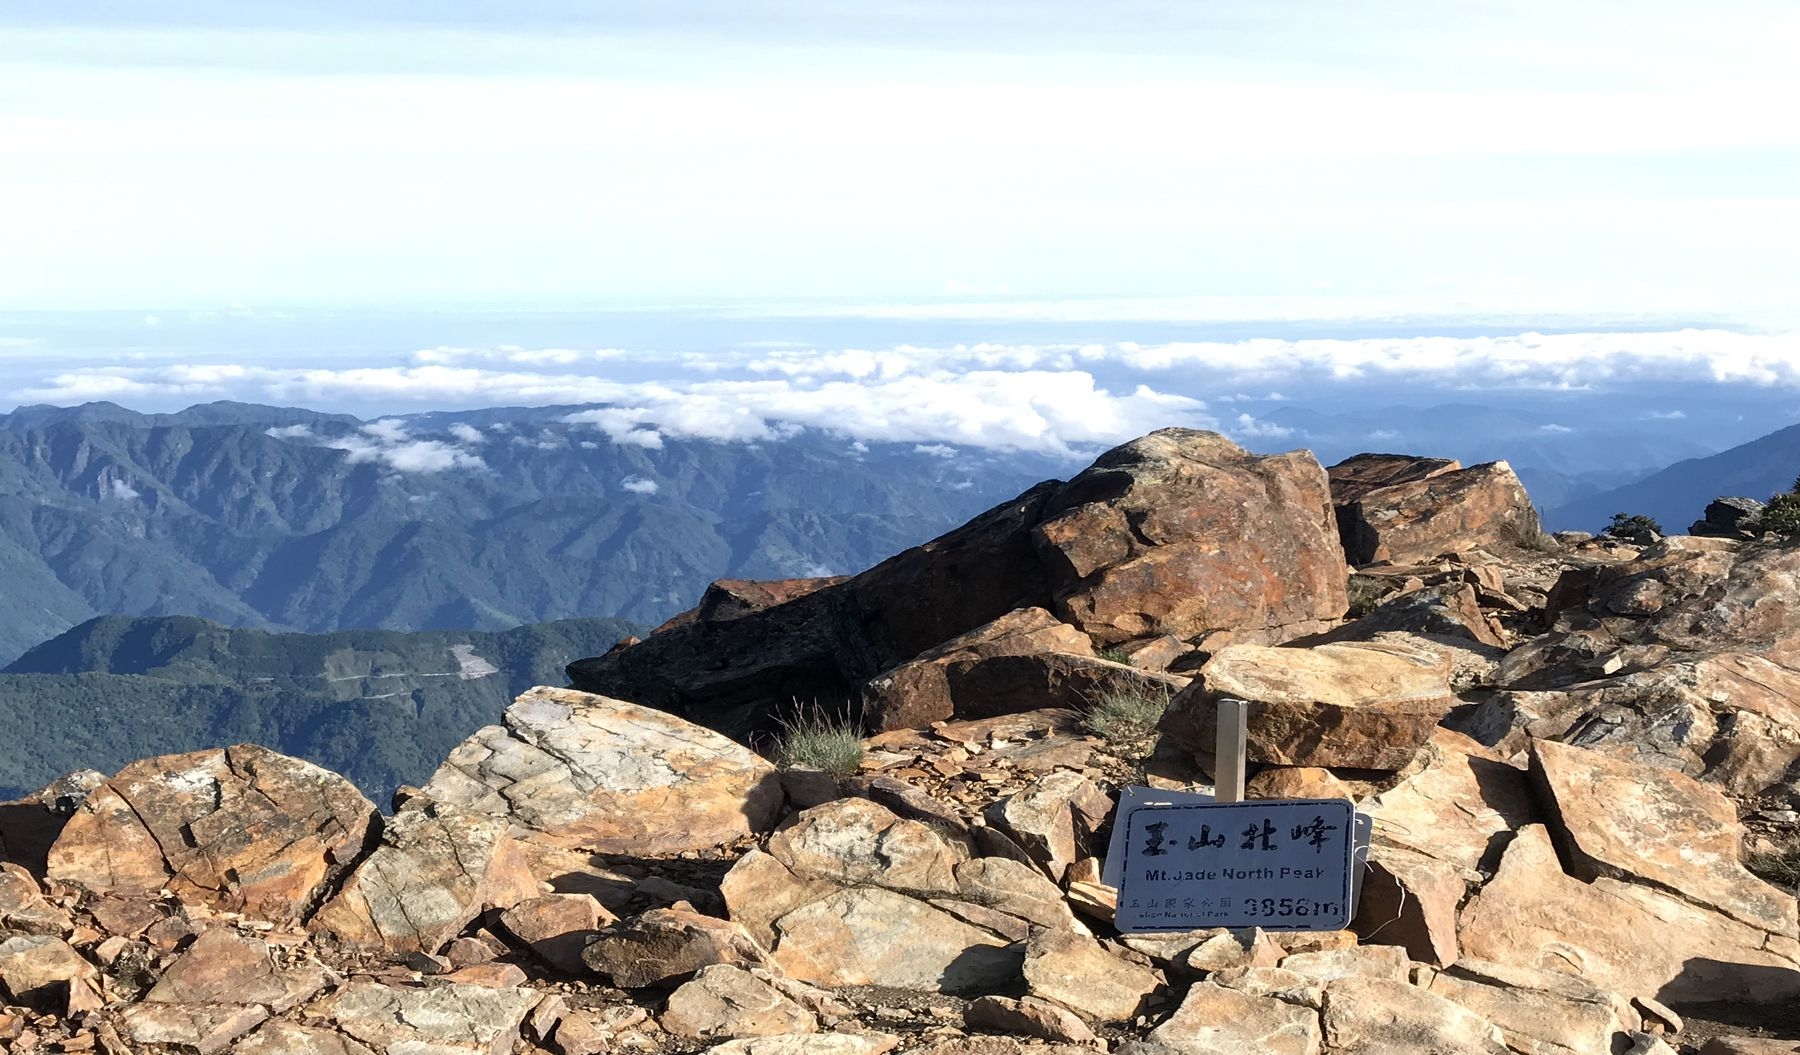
[(241, 829), (441, 1019), (1635, 821), (1362, 705), (590, 772)]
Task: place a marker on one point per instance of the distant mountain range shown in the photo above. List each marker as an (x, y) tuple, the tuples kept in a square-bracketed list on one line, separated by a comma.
[(381, 707), (1678, 495), (289, 519)]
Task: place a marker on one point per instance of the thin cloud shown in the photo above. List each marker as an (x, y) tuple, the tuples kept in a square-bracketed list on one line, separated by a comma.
[(638, 485)]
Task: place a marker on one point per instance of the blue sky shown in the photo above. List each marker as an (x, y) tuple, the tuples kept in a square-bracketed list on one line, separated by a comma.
[(1593, 159)]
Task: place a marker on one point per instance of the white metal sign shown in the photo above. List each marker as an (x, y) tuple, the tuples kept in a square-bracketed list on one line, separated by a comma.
[(1278, 864)]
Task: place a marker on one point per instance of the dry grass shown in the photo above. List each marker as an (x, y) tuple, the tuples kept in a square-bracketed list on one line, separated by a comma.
[(811, 738)]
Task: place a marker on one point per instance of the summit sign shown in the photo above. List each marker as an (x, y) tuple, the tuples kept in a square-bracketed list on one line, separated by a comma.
[(1275, 864)]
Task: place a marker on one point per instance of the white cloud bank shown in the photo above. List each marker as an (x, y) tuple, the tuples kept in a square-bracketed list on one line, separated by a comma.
[(637, 485), (387, 443), (1049, 398)]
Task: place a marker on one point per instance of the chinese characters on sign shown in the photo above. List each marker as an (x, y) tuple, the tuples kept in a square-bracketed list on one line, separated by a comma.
[(1275, 864)]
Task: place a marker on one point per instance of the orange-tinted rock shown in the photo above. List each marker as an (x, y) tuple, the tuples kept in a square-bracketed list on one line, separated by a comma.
[(1648, 824), (1296, 782), (1354, 705), (241, 829), (556, 928), (23, 907), (224, 967), (1410, 900), (1620, 936), (1183, 532), (592, 773), (28, 826), (1403, 510)]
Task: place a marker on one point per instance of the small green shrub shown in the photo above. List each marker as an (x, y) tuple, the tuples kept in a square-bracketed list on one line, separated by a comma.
[(1781, 515), (1115, 655), (1632, 526), (813, 739), (1126, 718)]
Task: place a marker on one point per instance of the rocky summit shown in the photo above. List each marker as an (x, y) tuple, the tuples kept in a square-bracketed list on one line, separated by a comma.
[(1578, 763)]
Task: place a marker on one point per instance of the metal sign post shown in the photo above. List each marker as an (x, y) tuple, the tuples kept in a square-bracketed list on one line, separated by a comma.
[(1228, 751)]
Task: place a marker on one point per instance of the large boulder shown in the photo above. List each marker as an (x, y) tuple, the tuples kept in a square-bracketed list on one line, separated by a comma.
[(241, 829), (592, 773), (1180, 533), (1183, 532), (1404, 510), (1362, 705)]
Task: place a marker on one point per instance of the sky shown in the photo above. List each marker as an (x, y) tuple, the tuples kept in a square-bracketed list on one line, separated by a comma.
[(1036, 224), (1577, 157)]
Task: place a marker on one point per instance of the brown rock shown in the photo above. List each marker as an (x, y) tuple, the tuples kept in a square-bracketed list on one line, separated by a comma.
[(1429, 507), (29, 825), (594, 1032), (223, 967), (1214, 1020), (724, 1001), (1016, 889), (199, 1028), (126, 917), (286, 1038), (1356, 705), (240, 829), (556, 927), (1377, 1016), (1081, 974), (1532, 915), (1360, 961), (44, 972), (593, 773), (440, 1020), (854, 841), (668, 944), (760, 890), (1029, 1017), (436, 869), (871, 936), (1651, 825), (1410, 900), (866, 1043), (1460, 808), (22, 905), (1296, 782), (1749, 1046), (1542, 1012), (1449, 610), (1248, 544), (927, 688), (1054, 820)]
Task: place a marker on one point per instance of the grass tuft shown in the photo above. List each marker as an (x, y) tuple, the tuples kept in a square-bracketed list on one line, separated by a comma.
[(1126, 718), (813, 739)]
